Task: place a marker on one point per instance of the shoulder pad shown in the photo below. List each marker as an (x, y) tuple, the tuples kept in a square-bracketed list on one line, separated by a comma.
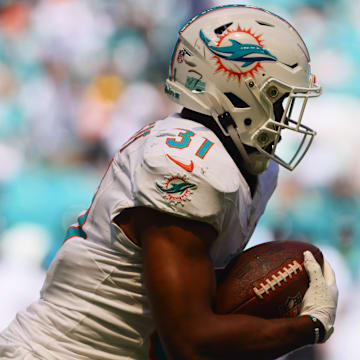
[(185, 170)]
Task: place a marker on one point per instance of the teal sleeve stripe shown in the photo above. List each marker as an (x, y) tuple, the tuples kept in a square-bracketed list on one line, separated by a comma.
[(75, 232), (82, 219)]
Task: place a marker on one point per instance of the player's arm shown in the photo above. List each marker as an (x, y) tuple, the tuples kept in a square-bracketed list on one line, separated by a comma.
[(180, 281)]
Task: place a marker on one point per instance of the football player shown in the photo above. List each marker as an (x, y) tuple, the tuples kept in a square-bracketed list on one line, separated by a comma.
[(180, 199)]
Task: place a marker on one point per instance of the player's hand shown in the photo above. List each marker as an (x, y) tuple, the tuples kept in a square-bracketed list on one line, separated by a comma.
[(320, 300)]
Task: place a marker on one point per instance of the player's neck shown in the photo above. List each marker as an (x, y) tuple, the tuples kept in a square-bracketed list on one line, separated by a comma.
[(209, 122)]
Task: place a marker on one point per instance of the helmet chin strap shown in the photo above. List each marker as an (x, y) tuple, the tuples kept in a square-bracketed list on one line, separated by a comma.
[(258, 163), (255, 163)]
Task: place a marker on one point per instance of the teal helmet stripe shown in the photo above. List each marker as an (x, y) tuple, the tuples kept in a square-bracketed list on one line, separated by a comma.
[(209, 11), (171, 69), (184, 27), (222, 7)]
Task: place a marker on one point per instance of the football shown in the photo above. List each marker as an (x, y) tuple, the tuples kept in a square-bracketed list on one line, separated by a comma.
[(268, 280)]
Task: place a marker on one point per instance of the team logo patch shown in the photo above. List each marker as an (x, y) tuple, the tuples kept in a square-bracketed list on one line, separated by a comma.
[(291, 308), (249, 51), (176, 189)]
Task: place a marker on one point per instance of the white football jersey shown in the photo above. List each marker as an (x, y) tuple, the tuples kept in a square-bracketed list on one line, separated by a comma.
[(93, 304)]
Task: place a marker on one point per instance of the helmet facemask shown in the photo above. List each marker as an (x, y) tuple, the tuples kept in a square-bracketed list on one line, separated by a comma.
[(283, 138)]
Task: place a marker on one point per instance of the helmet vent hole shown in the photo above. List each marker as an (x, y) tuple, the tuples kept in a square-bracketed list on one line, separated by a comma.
[(221, 29), (293, 66), (263, 23), (236, 101)]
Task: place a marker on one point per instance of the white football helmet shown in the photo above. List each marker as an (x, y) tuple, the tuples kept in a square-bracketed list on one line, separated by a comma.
[(249, 69)]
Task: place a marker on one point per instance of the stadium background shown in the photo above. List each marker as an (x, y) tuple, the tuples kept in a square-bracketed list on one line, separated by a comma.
[(79, 77)]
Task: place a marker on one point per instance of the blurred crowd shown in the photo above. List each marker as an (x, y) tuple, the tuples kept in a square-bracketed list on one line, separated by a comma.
[(79, 77)]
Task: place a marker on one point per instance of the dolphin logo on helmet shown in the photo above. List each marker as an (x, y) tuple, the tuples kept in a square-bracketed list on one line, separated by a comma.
[(246, 53)]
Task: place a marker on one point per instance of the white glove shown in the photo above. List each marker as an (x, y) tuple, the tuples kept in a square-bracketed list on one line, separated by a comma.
[(320, 300)]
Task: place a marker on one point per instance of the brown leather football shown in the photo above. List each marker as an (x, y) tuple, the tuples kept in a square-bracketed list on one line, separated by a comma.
[(268, 280)]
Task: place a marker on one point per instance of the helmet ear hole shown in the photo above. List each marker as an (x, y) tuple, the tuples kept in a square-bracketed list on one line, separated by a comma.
[(236, 101), (247, 121)]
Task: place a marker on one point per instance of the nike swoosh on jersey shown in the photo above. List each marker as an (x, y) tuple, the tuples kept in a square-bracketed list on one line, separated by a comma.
[(187, 167)]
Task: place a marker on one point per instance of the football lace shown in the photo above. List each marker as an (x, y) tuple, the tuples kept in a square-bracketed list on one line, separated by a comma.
[(283, 276)]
